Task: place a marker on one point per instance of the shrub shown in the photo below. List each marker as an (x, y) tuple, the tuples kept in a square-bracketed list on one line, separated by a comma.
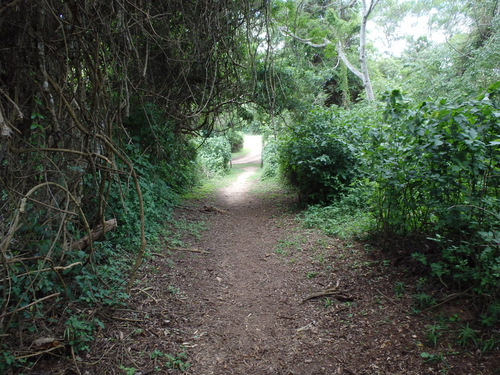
[(236, 140), (316, 157), (270, 159), (214, 156), (156, 142), (437, 172)]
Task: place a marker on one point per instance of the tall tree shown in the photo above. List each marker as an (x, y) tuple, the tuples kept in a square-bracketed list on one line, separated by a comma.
[(467, 61), (336, 25)]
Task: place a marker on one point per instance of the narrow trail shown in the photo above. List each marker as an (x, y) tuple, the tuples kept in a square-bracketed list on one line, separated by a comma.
[(248, 315)]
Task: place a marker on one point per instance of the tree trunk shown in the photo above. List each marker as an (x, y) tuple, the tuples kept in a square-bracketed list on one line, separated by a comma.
[(362, 50)]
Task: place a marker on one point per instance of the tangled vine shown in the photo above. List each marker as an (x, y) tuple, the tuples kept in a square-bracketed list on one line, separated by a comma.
[(70, 72)]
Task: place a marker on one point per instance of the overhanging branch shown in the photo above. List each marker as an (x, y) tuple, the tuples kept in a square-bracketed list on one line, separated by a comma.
[(285, 32), (346, 61)]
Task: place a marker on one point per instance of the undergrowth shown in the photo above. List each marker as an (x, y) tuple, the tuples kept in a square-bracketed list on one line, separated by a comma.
[(347, 217)]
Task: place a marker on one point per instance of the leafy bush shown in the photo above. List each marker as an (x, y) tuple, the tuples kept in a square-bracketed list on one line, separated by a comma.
[(316, 157), (437, 168), (158, 197), (214, 156), (270, 159), (156, 142), (47, 265), (236, 140)]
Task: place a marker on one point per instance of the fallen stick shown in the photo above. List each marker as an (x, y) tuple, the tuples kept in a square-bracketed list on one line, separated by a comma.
[(188, 249), (97, 233), (39, 353), (332, 292), (29, 305), (146, 293)]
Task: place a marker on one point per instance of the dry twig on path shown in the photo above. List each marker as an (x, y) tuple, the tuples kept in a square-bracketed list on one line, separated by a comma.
[(330, 292), (187, 249), (213, 209)]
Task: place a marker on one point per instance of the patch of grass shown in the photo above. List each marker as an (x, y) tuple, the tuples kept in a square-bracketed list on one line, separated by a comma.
[(281, 250), (327, 302), (320, 258), (399, 289), (271, 186), (288, 245), (345, 218), (433, 332), (128, 370), (169, 361), (173, 289), (243, 151), (422, 301), (467, 336), (312, 274), (208, 187), (192, 228)]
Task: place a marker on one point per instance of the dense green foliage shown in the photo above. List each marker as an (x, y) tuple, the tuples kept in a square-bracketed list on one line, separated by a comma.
[(214, 156), (436, 170), (316, 157), (427, 171), (421, 166), (236, 139), (270, 159)]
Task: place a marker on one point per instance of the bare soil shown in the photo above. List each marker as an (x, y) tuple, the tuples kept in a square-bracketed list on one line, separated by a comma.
[(257, 293)]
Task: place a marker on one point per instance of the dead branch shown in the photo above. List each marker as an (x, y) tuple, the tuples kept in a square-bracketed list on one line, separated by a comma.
[(448, 298), (146, 293), (330, 292), (34, 354), (58, 268), (29, 305), (97, 233), (391, 300), (22, 209), (188, 249)]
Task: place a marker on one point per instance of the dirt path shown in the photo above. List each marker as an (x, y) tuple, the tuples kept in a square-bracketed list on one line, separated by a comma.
[(243, 304), (253, 143), (248, 297), (248, 303)]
